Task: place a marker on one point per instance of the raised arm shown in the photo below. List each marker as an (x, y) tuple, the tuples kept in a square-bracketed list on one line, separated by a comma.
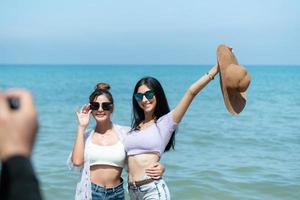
[(83, 116), (193, 90)]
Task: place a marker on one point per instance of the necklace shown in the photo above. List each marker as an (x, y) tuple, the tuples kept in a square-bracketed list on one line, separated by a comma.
[(105, 138)]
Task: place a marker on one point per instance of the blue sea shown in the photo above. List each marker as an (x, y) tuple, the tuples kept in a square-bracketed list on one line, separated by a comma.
[(253, 156)]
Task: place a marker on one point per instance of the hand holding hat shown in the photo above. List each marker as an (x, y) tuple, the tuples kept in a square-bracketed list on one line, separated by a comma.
[(234, 80)]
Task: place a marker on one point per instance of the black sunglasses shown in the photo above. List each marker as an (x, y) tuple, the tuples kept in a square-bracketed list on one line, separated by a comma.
[(139, 96), (105, 105)]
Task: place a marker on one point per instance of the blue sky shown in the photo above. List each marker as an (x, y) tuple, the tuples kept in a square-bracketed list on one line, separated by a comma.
[(148, 31)]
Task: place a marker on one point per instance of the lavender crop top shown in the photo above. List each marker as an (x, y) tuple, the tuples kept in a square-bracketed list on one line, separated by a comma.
[(151, 139)]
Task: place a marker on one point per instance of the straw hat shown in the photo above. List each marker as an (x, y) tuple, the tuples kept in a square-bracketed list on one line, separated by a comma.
[(234, 80)]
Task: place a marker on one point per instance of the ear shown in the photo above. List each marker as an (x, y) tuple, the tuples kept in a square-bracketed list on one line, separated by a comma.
[(112, 109)]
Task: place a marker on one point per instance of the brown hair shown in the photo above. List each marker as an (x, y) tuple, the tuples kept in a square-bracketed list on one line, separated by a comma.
[(102, 86), (102, 89)]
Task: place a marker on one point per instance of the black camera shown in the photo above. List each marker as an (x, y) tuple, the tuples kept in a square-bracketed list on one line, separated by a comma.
[(14, 104)]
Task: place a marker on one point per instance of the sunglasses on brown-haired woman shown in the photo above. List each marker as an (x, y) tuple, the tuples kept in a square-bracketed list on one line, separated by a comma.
[(105, 105)]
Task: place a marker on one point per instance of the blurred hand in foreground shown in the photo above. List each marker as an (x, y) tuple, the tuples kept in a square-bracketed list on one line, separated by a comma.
[(18, 127)]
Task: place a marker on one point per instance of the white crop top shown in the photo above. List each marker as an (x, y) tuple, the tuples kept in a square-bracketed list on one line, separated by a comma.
[(105, 156), (113, 155)]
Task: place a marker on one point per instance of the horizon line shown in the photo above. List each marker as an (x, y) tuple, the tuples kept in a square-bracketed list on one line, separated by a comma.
[(189, 64)]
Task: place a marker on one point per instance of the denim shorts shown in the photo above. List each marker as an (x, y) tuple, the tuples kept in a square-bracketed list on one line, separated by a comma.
[(156, 190), (102, 193)]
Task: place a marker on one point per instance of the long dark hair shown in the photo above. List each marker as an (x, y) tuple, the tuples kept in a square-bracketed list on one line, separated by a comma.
[(162, 106)]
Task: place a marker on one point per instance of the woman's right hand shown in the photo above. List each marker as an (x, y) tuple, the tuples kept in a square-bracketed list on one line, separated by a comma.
[(83, 115)]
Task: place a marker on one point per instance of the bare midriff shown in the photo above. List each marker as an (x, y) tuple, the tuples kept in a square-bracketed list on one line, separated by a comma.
[(137, 165), (105, 175)]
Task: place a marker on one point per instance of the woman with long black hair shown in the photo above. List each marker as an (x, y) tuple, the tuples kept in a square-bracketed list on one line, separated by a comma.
[(153, 133)]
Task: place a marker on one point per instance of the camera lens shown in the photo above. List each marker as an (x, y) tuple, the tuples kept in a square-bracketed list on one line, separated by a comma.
[(13, 103)]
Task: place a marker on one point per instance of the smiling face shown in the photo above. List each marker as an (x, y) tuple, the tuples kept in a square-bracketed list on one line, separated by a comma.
[(101, 115), (148, 105)]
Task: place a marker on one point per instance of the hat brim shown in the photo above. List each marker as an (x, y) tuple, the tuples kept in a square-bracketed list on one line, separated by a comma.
[(234, 100)]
